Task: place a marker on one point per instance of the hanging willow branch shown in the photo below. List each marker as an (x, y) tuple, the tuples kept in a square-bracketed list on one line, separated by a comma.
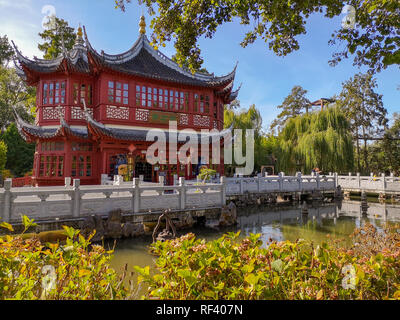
[(321, 139)]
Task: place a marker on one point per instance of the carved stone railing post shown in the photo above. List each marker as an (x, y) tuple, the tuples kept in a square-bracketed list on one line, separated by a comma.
[(182, 193), (383, 179), (76, 209), (241, 185), (280, 180), (161, 180), (136, 195), (299, 181), (223, 190), (141, 178), (358, 180), (67, 183), (7, 200), (335, 176)]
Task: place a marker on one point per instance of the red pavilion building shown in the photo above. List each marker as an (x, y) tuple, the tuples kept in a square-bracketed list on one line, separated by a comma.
[(125, 96)]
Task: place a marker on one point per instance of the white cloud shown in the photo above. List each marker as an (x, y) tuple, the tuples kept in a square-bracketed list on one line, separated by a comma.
[(21, 22)]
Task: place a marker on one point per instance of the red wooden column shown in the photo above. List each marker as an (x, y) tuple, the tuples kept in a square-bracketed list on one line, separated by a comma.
[(67, 159), (103, 169)]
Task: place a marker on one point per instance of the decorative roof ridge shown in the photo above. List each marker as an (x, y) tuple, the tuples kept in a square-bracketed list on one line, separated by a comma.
[(238, 89), (143, 43), (235, 93), (93, 122), (119, 58), (37, 61), (20, 72)]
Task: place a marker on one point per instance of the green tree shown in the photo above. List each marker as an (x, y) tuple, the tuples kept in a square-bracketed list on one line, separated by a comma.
[(318, 139), (374, 40), (384, 155), (3, 155), (56, 32), (6, 51), (14, 92), (19, 153), (364, 108), (251, 119), (293, 105)]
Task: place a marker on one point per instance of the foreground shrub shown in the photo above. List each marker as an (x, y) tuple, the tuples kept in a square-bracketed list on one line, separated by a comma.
[(74, 271), (227, 268)]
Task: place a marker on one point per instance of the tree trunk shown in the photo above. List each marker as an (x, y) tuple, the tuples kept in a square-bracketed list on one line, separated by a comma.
[(366, 165), (358, 152)]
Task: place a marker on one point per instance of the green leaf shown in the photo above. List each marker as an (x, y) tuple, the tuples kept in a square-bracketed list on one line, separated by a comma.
[(7, 226), (252, 278)]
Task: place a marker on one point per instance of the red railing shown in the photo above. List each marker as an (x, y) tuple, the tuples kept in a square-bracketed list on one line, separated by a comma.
[(22, 182)]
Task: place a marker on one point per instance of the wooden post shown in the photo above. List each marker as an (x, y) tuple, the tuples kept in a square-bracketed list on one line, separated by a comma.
[(223, 190), (77, 198), (182, 193), (7, 200), (136, 195)]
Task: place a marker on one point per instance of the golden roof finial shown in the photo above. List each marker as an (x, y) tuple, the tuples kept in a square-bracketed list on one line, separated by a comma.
[(142, 25), (80, 33)]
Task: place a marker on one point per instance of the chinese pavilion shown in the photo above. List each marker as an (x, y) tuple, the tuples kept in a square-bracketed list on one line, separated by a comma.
[(125, 96)]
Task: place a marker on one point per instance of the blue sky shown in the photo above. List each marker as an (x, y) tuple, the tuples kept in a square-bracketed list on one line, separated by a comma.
[(267, 79)]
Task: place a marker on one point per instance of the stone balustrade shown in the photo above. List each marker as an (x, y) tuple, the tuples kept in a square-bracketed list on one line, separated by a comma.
[(376, 184), (78, 201), (280, 183), (140, 197)]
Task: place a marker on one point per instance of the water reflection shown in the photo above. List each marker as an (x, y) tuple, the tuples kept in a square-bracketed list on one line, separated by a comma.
[(338, 220)]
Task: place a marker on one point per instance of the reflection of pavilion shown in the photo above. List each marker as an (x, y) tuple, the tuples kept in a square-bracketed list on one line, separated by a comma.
[(126, 96)]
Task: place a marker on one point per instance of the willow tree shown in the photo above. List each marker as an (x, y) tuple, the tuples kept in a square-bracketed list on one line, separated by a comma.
[(319, 139), (264, 145)]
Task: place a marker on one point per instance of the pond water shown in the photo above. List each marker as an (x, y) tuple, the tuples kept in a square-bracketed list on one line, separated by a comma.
[(336, 220)]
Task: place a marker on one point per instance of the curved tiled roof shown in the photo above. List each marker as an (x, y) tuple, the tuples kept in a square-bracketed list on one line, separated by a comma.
[(143, 60), (75, 60), (140, 60)]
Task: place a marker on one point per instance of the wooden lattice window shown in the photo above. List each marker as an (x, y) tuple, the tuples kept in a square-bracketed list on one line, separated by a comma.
[(52, 146), (204, 104), (83, 91), (161, 98), (81, 166), (54, 92), (118, 92), (51, 166), (196, 103)]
